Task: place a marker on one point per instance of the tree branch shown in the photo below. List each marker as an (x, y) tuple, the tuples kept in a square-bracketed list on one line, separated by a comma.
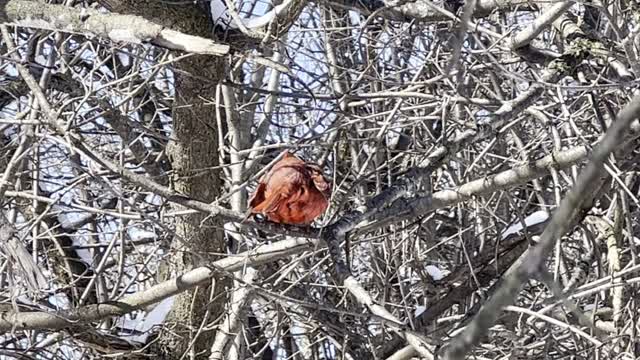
[(116, 27), (24, 320)]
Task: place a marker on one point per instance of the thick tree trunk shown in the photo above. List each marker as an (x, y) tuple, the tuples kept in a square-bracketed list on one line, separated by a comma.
[(193, 151)]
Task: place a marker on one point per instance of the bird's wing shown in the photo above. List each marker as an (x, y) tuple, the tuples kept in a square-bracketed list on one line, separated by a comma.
[(284, 187), (287, 167), (309, 206)]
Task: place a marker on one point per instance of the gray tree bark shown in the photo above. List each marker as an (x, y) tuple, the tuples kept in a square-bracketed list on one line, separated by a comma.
[(193, 153)]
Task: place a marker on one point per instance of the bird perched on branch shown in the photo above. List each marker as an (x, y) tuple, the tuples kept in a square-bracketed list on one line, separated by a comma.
[(292, 192)]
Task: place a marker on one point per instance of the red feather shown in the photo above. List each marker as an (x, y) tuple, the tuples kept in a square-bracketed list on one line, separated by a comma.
[(292, 192)]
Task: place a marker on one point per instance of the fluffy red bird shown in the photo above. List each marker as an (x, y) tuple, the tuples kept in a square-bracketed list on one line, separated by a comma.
[(292, 192)]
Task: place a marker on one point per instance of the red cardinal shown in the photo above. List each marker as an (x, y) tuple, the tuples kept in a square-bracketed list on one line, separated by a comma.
[(292, 192)]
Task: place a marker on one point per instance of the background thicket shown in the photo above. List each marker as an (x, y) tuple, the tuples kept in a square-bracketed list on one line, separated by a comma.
[(132, 133)]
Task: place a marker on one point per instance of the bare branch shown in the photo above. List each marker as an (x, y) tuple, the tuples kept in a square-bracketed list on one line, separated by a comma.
[(127, 28), (25, 319)]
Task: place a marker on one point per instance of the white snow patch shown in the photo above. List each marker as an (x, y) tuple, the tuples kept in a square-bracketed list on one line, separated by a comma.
[(533, 219), (144, 323)]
